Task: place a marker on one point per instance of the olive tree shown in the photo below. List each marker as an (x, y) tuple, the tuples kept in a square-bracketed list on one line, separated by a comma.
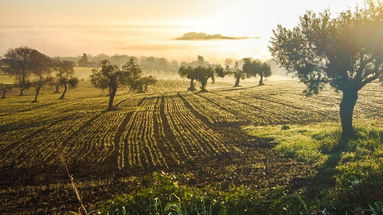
[(252, 68), (64, 76), (67, 82), (188, 72), (111, 77), (41, 70), (236, 71), (63, 70), (204, 73), (141, 84), (200, 71), (21, 62), (345, 52)]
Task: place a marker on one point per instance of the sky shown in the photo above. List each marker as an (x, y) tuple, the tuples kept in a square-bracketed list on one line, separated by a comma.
[(150, 27)]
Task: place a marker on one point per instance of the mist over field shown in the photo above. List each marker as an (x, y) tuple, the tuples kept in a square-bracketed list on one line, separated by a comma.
[(156, 41)]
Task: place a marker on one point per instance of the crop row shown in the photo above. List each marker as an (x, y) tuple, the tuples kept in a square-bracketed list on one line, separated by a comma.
[(44, 145), (211, 112)]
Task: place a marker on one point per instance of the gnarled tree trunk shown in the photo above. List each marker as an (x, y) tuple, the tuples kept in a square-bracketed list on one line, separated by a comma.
[(346, 112), (57, 88), (4, 92), (21, 91), (112, 93), (22, 85), (203, 86), (63, 94), (37, 94), (237, 79), (261, 80), (191, 87)]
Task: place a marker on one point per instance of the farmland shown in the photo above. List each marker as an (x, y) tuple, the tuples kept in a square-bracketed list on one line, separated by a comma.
[(196, 136)]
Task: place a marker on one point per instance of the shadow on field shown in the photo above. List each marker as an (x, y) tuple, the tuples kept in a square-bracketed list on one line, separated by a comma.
[(324, 179)]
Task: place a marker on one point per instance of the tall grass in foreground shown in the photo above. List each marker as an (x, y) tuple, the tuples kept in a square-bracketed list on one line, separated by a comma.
[(166, 197)]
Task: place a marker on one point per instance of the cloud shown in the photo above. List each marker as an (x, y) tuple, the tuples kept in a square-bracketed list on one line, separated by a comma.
[(204, 36)]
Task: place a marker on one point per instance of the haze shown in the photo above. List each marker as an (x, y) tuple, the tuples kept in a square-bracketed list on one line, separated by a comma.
[(150, 27)]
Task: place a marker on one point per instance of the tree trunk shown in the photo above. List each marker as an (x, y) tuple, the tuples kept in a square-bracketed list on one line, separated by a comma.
[(141, 88), (237, 82), (346, 112), (21, 91), (57, 88), (261, 80), (22, 85), (4, 92), (37, 94), (191, 87), (111, 97), (203, 86), (63, 95)]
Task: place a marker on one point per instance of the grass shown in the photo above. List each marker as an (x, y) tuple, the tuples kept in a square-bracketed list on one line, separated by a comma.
[(6, 79), (83, 73), (305, 143), (351, 171)]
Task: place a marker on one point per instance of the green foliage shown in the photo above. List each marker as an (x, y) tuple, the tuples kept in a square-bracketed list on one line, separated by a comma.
[(360, 169), (165, 196)]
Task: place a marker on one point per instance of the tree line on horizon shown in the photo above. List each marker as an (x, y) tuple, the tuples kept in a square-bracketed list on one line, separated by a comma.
[(151, 65), (201, 71)]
